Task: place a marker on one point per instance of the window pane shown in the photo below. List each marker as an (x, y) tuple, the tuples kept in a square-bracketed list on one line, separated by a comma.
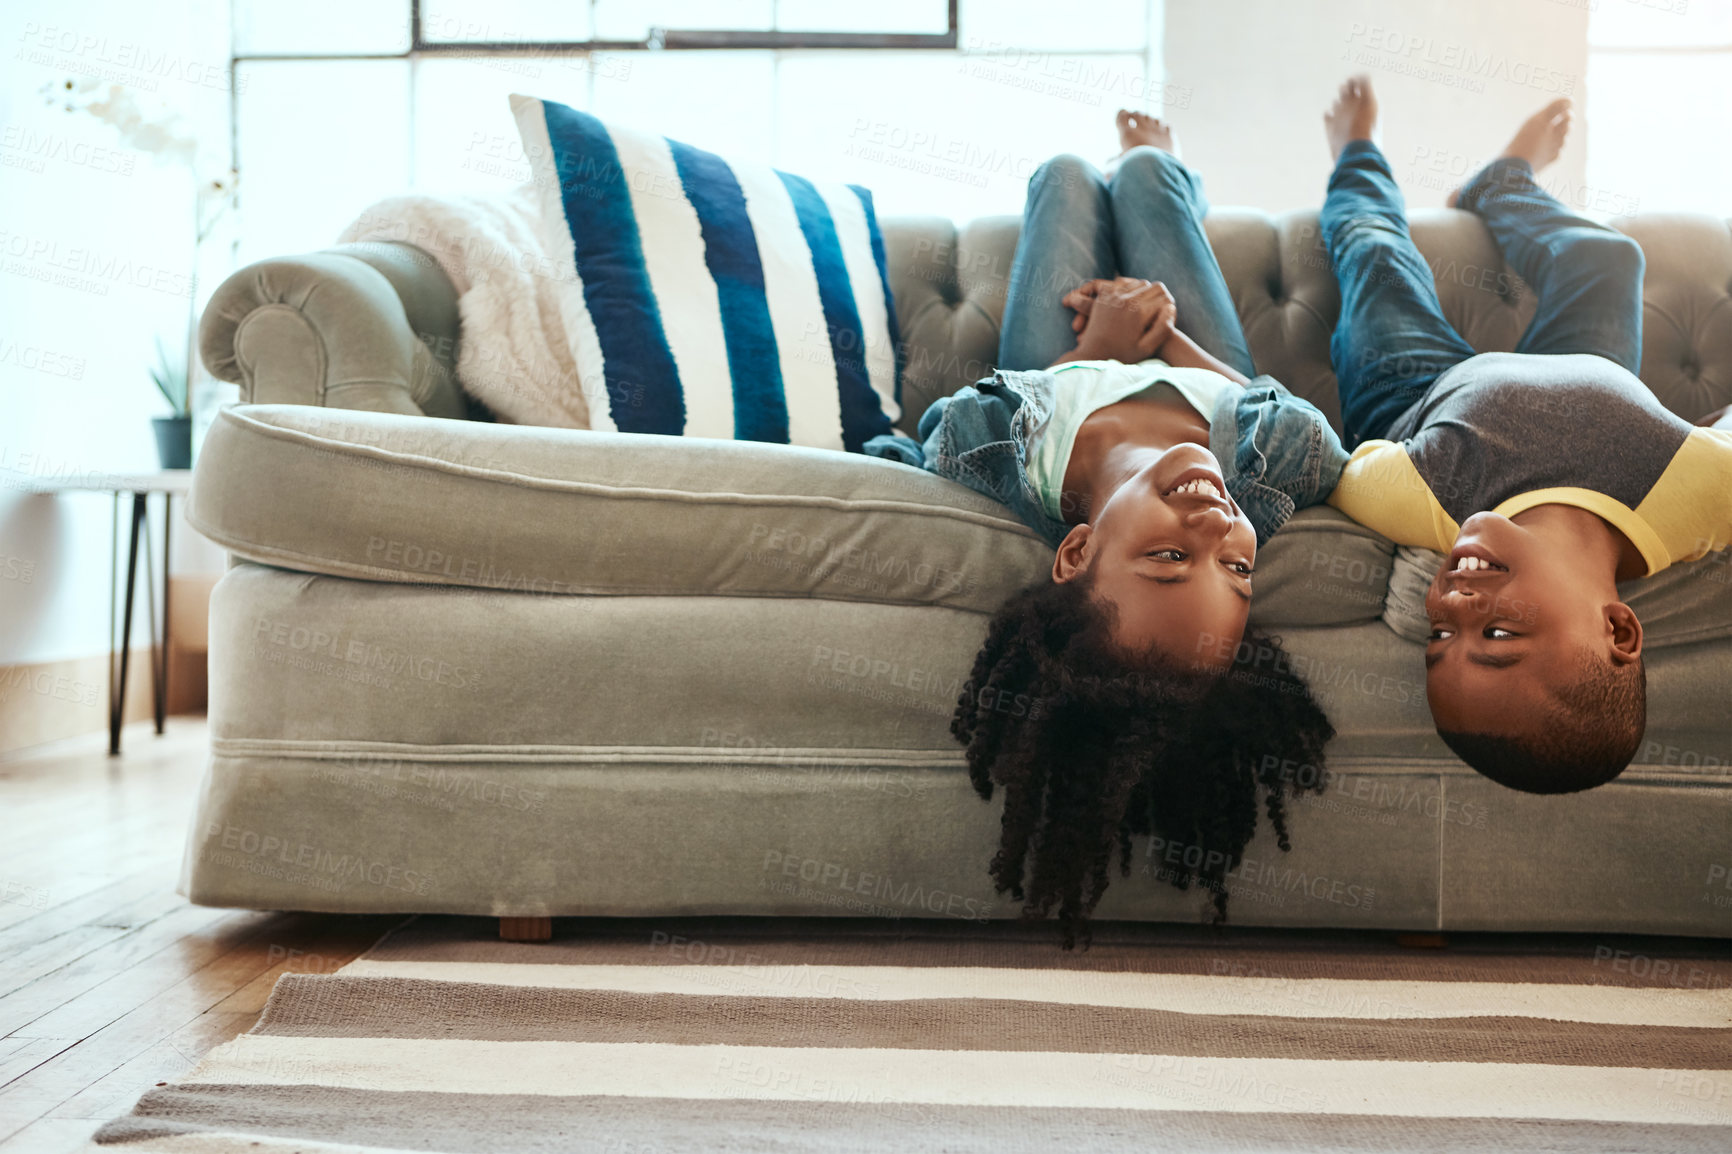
[(503, 21), (318, 142), (321, 27), (465, 137), (1641, 160), (721, 101), (954, 136), (632, 19), (1105, 25), (1660, 23), (879, 16)]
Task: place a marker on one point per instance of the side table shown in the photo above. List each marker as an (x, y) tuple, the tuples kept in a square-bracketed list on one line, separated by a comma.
[(171, 483)]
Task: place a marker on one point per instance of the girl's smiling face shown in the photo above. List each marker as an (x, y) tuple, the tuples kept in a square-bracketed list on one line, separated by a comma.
[(1171, 554)]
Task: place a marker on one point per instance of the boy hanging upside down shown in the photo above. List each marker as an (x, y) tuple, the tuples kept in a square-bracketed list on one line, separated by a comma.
[(1547, 475)]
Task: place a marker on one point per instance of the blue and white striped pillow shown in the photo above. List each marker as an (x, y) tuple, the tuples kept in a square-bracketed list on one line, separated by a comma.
[(709, 298)]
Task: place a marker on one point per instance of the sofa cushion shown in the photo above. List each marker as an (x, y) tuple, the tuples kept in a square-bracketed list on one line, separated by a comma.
[(411, 499), (384, 497), (310, 662)]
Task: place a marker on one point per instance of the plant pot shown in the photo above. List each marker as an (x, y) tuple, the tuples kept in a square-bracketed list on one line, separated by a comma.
[(174, 441)]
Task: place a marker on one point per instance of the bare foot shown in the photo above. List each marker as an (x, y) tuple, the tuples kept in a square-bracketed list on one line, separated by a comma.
[(1353, 116), (1139, 128), (1538, 141)]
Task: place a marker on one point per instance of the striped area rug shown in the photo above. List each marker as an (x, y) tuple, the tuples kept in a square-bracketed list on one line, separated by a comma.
[(844, 1035)]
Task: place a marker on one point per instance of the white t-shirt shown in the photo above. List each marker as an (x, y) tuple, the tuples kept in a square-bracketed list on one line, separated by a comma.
[(1086, 386)]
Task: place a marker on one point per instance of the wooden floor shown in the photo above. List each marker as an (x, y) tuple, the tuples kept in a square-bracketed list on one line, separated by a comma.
[(111, 983)]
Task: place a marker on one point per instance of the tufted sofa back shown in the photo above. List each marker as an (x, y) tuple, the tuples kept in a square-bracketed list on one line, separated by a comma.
[(950, 284)]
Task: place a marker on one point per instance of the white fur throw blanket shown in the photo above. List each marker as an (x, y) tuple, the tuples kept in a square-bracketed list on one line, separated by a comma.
[(512, 353)]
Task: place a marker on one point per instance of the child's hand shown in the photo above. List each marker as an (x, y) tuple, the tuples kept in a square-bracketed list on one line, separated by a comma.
[(1720, 418), (1124, 319)]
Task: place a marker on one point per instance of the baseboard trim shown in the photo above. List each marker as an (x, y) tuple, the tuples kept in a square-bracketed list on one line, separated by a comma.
[(48, 701)]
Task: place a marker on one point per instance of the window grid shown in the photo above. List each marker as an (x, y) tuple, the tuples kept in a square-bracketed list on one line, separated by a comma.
[(1140, 62)]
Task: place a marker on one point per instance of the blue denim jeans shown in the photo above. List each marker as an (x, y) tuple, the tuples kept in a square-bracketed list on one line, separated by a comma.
[(1392, 340), (1147, 221)]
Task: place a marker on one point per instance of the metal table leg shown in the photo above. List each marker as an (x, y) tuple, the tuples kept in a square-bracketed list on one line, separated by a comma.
[(117, 675), (162, 677), (113, 588), (150, 612), (117, 697)]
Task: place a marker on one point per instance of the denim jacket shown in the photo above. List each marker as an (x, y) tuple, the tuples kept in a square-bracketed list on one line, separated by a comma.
[(1276, 451)]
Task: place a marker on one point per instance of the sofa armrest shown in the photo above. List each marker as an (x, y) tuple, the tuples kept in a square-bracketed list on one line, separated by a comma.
[(360, 326)]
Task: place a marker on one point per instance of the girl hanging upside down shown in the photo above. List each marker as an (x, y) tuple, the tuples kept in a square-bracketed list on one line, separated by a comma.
[(1126, 424)]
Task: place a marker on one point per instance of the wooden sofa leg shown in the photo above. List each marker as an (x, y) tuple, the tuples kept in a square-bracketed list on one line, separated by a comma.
[(1422, 941), (525, 929)]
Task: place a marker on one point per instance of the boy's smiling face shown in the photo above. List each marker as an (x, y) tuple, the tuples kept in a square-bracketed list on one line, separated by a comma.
[(1514, 621)]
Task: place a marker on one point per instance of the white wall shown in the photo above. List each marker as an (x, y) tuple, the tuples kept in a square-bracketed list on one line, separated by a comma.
[(1455, 77), (95, 262)]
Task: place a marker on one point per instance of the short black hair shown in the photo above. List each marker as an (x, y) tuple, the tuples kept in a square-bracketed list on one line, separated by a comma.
[(1586, 741), (1093, 746)]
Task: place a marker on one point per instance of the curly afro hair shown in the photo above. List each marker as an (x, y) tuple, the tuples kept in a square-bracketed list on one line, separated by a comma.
[(1092, 746)]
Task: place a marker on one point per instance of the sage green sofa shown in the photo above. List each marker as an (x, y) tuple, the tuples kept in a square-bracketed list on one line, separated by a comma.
[(467, 667)]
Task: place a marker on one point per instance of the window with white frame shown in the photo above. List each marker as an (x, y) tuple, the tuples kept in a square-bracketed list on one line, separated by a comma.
[(1659, 90), (941, 107)]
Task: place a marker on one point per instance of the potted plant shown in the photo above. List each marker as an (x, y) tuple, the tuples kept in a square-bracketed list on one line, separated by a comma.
[(174, 432)]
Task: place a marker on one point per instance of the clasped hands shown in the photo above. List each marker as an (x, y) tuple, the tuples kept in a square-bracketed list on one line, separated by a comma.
[(1120, 319)]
